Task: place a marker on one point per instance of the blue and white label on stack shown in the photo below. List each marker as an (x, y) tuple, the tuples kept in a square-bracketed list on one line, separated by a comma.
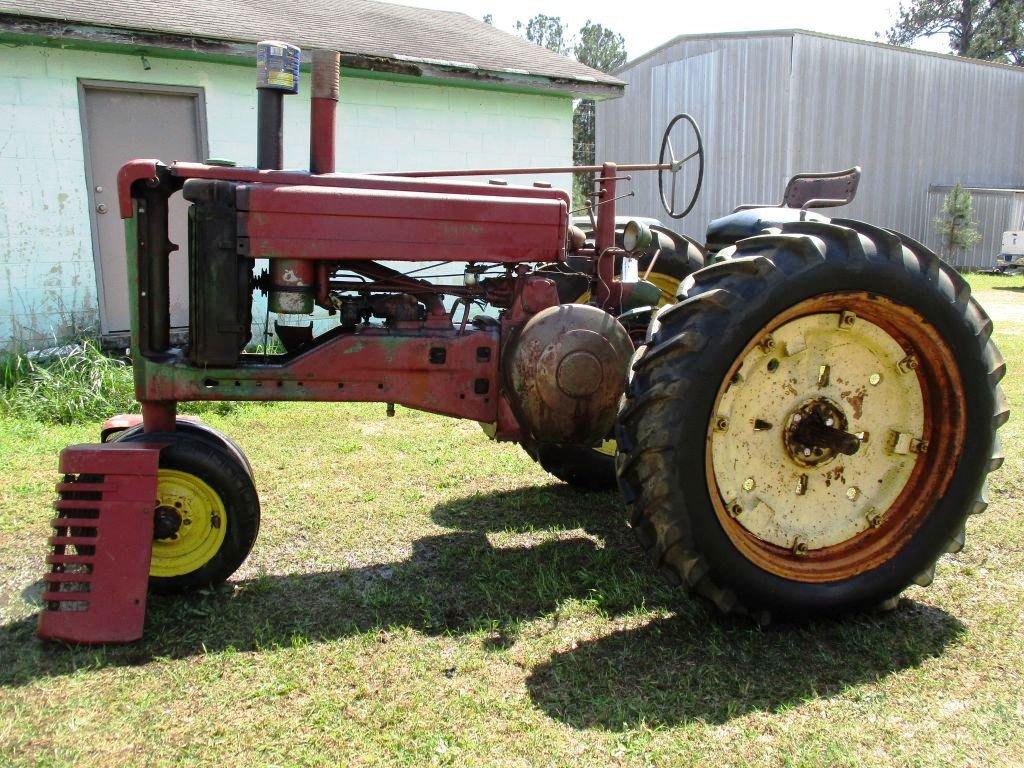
[(277, 66)]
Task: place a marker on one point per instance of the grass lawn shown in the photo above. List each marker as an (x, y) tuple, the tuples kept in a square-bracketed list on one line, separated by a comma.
[(421, 596)]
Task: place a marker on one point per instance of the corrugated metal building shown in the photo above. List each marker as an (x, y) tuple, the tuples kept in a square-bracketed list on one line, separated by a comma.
[(772, 104)]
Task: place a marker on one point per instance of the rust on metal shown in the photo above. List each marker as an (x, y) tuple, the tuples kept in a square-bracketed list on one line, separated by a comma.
[(886, 531), (566, 369), (323, 110)]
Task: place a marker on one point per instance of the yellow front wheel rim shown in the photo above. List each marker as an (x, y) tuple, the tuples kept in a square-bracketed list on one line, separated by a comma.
[(192, 523)]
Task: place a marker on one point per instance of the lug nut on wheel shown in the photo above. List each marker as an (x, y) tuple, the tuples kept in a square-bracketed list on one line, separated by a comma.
[(907, 364)]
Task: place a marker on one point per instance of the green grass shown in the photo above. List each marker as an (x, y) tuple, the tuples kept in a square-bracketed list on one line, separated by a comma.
[(421, 596), (80, 386), (981, 282)]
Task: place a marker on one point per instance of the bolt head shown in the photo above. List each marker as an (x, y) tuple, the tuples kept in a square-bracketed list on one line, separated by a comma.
[(801, 485), (807, 451), (830, 422), (748, 484), (796, 417), (907, 364), (875, 379), (852, 493)]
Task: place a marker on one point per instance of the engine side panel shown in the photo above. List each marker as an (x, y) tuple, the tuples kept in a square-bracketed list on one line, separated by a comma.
[(313, 222)]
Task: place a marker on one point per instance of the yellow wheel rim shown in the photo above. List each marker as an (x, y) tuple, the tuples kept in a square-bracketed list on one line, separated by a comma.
[(198, 517), (875, 369), (666, 285)]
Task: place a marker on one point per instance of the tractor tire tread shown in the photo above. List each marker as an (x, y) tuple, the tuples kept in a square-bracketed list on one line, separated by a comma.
[(649, 436)]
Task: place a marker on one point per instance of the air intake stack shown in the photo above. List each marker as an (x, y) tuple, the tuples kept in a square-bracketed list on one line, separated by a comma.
[(277, 74)]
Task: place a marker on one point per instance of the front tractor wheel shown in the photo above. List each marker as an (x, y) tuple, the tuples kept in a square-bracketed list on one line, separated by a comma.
[(808, 429), (207, 512)]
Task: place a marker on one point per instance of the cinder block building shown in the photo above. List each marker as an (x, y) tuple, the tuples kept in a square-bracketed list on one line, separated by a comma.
[(85, 86)]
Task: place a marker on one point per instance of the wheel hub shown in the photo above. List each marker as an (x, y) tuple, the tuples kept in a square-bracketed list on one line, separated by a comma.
[(816, 433), (189, 524), (166, 523)]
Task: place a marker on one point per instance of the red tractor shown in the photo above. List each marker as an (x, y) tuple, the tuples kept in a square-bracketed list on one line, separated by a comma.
[(800, 413)]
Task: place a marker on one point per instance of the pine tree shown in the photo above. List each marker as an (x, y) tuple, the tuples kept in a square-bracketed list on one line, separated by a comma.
[(956, 223)]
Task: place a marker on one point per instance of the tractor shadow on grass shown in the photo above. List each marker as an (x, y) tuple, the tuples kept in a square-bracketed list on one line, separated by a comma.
[(516, 557), (695, 667)]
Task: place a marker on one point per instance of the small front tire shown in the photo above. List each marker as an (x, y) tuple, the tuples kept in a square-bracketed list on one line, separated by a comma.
[(207, 515)]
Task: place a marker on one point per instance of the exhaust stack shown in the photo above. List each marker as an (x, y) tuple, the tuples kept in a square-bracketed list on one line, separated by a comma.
[(323, 108)]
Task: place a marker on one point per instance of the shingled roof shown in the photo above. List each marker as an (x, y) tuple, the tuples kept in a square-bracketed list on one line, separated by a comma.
[(370, 34)]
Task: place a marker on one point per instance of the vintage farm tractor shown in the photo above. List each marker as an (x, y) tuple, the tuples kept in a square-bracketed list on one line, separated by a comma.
[(800, 413)]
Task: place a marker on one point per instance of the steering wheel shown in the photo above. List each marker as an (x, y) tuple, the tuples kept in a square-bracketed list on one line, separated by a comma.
[(675, 164)]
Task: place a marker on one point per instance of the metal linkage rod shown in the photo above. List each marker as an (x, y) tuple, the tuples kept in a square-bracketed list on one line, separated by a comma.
[(575, 169)]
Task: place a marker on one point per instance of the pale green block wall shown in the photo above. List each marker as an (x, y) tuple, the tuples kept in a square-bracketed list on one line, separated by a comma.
[(47, 272)]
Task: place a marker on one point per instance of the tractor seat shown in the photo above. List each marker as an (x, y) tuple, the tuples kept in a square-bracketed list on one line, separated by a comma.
[(804, 191)]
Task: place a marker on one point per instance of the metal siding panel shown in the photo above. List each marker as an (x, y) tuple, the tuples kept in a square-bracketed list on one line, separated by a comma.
[(910, 121), (738, 90), (774, 105), (1017, 212)]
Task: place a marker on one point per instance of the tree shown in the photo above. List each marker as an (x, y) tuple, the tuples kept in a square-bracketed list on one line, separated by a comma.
[(956, 224), (599, 47), (489, 19), (545, 31), (992, 30)]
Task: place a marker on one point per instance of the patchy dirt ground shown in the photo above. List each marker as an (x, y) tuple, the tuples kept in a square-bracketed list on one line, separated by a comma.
[(1005, 306)]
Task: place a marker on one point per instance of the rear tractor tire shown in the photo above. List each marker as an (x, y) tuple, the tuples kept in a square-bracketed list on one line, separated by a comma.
[(808, 429), (207, 512), (587, 468)]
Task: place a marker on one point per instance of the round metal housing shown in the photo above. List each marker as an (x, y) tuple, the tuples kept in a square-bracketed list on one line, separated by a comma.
[(566, 370)]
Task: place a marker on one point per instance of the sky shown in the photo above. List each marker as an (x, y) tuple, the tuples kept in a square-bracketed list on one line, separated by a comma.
[(647, 24)]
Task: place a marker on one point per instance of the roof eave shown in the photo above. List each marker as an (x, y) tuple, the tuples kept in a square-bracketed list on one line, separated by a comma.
[(766, 33), (71, 34)]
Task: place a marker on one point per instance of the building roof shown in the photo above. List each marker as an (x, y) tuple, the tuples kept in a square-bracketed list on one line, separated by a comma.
[(417, 40), (807, 33)]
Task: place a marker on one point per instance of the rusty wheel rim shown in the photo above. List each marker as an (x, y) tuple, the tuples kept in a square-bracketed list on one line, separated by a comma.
[(784, 491)]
